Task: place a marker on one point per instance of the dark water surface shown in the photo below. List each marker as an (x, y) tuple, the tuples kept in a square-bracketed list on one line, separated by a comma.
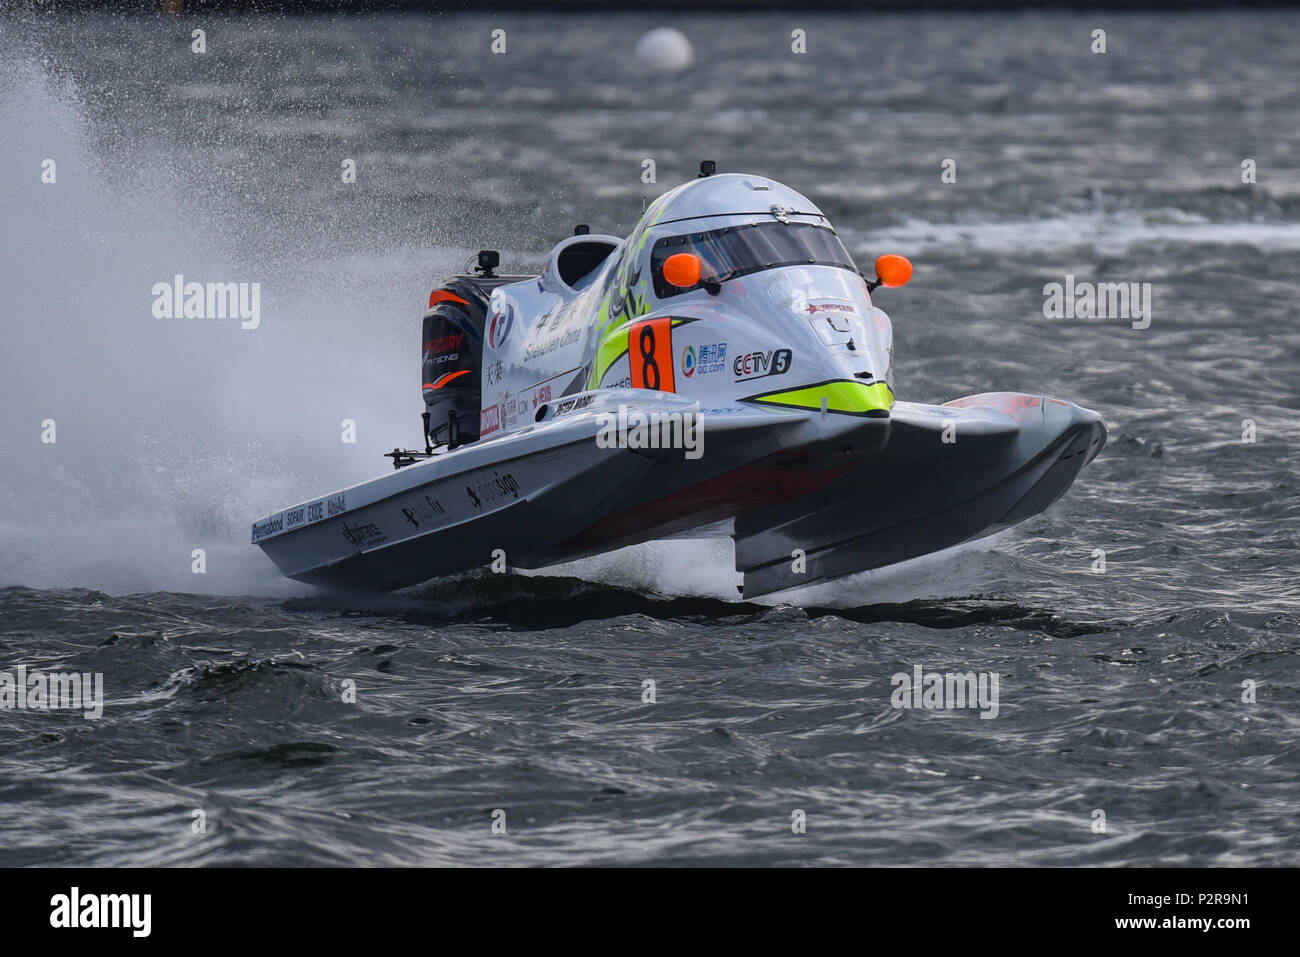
[(1121, 691)]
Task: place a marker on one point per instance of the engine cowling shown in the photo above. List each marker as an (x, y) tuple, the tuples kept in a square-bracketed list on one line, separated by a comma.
[(452, 349)]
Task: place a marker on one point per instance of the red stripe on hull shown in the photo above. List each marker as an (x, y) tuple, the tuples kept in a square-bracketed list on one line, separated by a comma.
[(719, 498)]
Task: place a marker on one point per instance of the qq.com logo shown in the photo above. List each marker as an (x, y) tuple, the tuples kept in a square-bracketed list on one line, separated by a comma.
[(688, 361)]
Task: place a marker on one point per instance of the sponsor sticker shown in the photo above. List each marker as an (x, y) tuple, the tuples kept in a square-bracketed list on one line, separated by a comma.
[(443, 345), (831, 307), (713, 358), (757, 365), (426, 509), (300, 515), (493, 489), (362, 534), (500, 326), (574, 404), (268, 527), (559, 341)]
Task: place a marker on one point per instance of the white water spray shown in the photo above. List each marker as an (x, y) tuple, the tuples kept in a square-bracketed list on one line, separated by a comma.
[(172, 435)]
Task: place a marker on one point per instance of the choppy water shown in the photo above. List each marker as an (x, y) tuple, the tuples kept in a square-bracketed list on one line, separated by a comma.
[(1120, 691)]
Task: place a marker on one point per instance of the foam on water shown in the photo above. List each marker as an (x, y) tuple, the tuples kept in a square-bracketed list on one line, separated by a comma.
[(705, 568), (700, 567)]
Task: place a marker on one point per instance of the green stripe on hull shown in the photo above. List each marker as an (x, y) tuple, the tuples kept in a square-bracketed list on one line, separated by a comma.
[(841, 395)]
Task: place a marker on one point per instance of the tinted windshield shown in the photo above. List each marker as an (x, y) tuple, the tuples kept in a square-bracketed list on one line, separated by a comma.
[(738, 250)]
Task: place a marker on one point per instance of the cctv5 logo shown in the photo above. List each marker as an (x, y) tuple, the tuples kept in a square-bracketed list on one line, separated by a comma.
[(756, 365)]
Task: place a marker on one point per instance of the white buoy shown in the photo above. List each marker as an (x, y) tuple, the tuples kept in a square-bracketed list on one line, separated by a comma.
[(665, 49)]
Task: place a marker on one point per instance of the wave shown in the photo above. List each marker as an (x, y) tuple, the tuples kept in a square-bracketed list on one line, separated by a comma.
[(1107, 232)]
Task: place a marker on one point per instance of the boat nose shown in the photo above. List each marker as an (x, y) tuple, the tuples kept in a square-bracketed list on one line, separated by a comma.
[(1096, 434), (1086, 429)]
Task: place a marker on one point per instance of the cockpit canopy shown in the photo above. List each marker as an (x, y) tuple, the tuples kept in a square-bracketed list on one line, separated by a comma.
[(738, 250)]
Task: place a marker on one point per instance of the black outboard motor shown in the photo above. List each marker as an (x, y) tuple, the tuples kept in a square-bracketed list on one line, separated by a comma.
[(452, 346)]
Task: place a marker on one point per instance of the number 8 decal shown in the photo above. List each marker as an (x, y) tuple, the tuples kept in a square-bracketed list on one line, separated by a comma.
[(650, 354), (649, 368)]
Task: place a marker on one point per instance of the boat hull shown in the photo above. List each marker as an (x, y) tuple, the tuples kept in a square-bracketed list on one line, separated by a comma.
[(807, 496)]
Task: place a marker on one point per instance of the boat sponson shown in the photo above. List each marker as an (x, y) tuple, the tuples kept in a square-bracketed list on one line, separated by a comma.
[(1007, 456)]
